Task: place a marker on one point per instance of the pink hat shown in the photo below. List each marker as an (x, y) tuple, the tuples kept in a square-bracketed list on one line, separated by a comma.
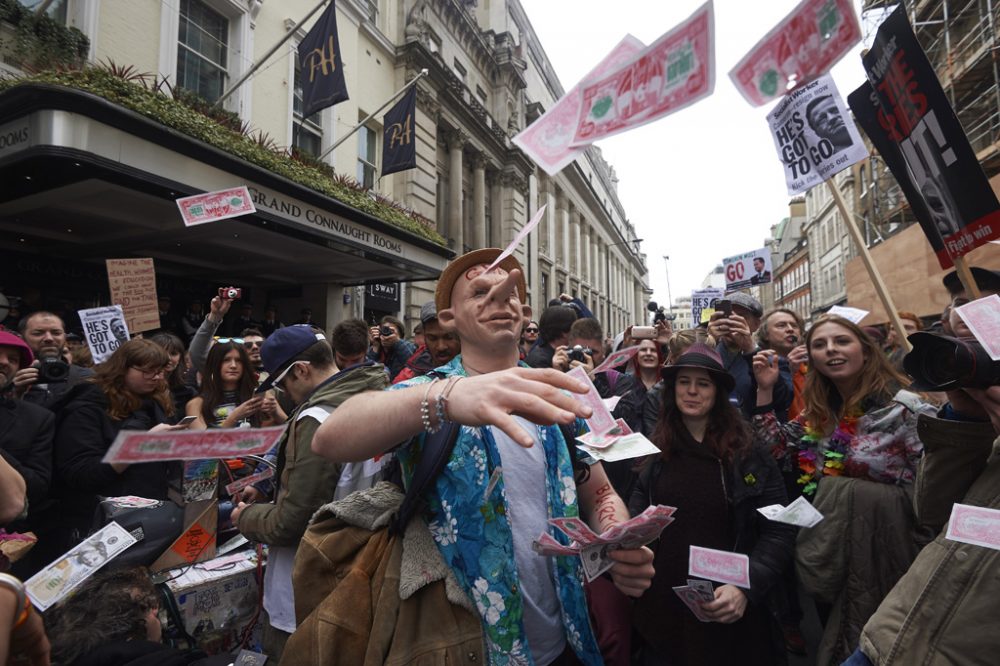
[(11, 340)]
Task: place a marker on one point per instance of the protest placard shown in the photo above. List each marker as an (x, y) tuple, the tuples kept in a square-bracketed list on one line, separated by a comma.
[(804, 45), (547, 140), (133, 286), (105, 330), (215, 206), (909, 119), (814, 135), (136, 446), (677, 70), (855, 315), (747, 269), (704, 299)]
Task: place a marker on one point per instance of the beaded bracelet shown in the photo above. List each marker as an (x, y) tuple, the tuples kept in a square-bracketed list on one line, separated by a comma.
[(425, 412)]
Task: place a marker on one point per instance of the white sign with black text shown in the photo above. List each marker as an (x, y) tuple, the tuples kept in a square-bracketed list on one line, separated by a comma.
[(105, 330), (814, 134)]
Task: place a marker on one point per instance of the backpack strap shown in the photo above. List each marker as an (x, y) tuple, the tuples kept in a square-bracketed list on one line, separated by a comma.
[(433, 458)]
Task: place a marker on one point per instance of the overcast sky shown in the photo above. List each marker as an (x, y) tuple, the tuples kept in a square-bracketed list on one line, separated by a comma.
[(704, 183)]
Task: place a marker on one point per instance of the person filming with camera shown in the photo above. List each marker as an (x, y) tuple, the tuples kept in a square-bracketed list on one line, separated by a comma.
[(388, 346), (49, 377)]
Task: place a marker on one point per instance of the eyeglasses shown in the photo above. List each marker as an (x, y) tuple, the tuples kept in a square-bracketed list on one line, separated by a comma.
[(531, 330), (252, 344), (151, 374), (238, 341), (281, 377)]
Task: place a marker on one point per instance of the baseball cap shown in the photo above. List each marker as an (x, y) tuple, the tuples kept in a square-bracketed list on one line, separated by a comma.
[(11, 340), (457, 268), (748, 302), (985, 279), (428, 312), (284, 345)]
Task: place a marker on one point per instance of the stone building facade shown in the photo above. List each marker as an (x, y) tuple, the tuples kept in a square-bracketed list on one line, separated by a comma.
[(488, 77)]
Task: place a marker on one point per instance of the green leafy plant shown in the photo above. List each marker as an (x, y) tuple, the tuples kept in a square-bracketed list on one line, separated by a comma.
[(189, 114)]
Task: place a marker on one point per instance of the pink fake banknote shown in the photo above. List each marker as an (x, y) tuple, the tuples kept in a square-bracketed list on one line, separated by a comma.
[(600, 420), (547, 140), (982, 316), (804, 45), (137, 446), (239, 484), (213, 206), (617, 358), (677, 70), (974, 524), (720, 566)]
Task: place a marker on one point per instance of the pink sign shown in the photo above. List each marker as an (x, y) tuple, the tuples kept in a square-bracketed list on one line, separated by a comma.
[(803, 46), (214, 206), (547, 140), (139, 446), (677, 70)]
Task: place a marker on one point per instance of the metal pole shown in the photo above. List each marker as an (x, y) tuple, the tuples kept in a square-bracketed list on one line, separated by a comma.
[(374, 113), (257, 65), (670, 301)]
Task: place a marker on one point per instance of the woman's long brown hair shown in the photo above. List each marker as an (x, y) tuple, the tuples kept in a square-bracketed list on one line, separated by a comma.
[(726, 434), (211, 383), (110, 376), (878, 380)]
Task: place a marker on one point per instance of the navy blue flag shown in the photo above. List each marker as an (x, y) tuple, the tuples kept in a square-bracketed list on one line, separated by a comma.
[(322, 73), (399, 145)]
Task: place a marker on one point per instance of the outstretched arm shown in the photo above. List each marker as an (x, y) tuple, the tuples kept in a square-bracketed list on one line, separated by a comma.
[(371, 423)]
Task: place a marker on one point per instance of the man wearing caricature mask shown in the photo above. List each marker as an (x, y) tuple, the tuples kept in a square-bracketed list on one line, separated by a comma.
[(506, 476)]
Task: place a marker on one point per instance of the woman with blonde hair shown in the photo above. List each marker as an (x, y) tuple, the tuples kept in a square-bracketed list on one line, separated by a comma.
[(853, 452), (127, 392)]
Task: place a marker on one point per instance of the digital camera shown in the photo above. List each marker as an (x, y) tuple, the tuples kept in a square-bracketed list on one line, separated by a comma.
[(385, 329), (942, 363), (230, 293), (579, 353), (52, 370)]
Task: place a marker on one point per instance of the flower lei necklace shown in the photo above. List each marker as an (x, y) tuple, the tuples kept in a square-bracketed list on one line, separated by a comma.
[(833, 454)]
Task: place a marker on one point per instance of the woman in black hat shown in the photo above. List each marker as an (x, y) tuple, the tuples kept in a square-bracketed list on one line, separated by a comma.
[(709, 469)]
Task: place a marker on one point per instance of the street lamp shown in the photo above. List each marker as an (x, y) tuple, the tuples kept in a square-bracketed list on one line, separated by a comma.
[(670, 301)]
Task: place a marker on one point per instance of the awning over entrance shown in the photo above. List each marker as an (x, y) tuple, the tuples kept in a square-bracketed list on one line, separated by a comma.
[(84, 179)]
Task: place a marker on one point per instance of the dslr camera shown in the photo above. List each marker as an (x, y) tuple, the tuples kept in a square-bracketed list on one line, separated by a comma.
[(943, 363), (230, 293), (52, 370), (386, 329), (658, 313), (579, 353)]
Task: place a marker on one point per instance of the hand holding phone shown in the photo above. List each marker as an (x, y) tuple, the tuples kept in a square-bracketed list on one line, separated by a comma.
[(186, 422)]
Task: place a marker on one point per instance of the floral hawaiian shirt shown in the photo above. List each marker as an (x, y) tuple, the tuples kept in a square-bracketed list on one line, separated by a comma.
[(467, 516)]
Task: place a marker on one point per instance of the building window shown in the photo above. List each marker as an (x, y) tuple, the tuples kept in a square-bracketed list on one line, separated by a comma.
[(460, 70), (307, 133), (58, 10), (366, 157), (481, 94), (203, 44)]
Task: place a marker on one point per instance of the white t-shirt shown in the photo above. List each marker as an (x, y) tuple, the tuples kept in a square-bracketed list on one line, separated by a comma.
[(528, 506)]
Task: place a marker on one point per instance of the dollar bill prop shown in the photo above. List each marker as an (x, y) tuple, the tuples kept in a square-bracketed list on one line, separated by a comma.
[(54, 582), (594, 549)]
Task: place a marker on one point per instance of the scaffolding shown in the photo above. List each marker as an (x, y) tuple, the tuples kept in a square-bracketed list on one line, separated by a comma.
[(960, 40)]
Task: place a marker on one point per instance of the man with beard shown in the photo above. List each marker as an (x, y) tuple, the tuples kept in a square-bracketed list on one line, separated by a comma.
[(46, 335), (440, 346), (825, 120)]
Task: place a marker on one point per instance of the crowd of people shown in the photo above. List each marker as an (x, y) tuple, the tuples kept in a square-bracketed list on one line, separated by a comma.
[(752, 410)]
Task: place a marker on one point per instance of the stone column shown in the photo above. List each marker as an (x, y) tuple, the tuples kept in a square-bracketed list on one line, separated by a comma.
[(562, 234), (575, 262), (479, 239), (456, 140), (585, 270)]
